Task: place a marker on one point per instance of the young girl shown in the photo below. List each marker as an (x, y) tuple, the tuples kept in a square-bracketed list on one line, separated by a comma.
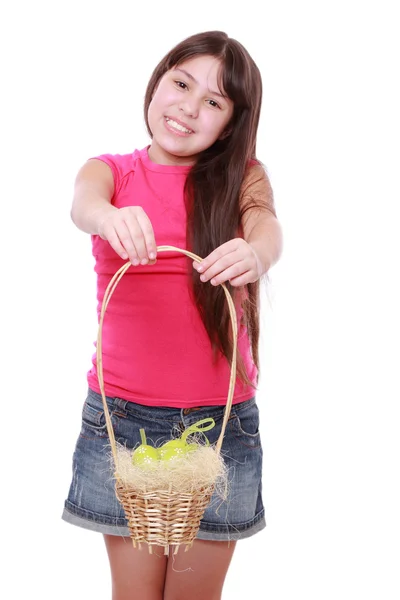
[(166, 343)]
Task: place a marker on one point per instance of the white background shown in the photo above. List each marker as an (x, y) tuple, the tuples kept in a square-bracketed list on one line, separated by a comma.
[(73, 81)]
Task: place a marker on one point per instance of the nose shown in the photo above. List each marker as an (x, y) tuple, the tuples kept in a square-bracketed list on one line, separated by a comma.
[(190, 107)]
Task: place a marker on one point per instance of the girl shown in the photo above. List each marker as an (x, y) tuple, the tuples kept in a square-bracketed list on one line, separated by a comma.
[(166, 343)]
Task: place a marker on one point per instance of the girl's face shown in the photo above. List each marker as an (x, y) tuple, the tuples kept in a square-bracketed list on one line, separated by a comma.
[(188, 111)]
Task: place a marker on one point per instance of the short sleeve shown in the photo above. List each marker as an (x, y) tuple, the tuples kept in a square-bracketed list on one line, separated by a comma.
[(120, 164), (256, 190)]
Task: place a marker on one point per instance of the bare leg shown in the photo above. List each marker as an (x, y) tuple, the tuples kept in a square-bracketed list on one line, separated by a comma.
[(200, 572), (136, 574)]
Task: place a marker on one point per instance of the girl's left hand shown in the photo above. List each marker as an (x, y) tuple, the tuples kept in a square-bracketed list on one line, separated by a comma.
[(235, 261)]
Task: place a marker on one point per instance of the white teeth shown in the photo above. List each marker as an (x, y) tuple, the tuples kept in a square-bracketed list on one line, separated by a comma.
[(176, 125)]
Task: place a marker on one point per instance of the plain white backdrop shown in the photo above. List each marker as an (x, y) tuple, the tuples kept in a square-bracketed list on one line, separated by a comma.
[(74, 77)]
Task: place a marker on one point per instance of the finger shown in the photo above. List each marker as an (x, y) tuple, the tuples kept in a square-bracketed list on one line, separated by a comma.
[(126, 237), (136, 235), (243, 279), (232, 261), (148, 235), (113, 239), (125, 246), (217, 254), (227, 274)]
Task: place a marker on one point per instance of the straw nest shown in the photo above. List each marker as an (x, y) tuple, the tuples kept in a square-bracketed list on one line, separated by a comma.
[(198, 470)]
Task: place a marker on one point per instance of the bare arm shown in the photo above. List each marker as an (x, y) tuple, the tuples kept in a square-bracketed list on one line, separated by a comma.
[(261, 228), (266, 239), (128, 230), (94, 188)]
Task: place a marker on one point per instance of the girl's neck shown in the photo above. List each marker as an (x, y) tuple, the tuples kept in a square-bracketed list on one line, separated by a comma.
[(159, 156)]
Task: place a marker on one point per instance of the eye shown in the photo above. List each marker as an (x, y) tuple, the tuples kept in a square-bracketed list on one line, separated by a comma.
[(181, 84), (214, 104)]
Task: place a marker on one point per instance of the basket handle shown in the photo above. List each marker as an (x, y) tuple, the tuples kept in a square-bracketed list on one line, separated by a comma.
[(107, 296)]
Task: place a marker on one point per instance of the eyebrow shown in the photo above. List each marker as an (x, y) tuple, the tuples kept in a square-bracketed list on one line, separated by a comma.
[(189, 76)]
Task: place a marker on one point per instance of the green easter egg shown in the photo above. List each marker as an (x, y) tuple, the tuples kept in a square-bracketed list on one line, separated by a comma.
[(169, 448), (175, 449), (173, 444), (145, 455), (172, 453)]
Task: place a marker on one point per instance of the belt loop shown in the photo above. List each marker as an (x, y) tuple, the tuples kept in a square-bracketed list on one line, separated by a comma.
[(120, 403), (187, 411)]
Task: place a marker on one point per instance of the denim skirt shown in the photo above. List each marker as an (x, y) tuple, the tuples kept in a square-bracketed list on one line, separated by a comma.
[(92, 502)]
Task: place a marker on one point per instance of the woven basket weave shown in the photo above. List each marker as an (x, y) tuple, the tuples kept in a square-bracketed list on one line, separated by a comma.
[(164, 517)]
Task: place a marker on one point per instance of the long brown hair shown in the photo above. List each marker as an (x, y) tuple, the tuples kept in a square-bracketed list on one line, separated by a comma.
[(214, 183)]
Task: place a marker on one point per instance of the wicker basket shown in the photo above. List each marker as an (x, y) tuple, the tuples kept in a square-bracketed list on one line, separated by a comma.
[(164, 517)]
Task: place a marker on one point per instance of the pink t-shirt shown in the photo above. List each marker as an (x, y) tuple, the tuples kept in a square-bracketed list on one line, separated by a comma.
[(156, 350)]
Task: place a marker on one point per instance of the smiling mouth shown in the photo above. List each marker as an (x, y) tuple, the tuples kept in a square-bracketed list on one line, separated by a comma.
[(178, 126)]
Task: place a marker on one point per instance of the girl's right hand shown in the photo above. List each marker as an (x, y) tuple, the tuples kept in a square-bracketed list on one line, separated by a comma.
[(130, 233)]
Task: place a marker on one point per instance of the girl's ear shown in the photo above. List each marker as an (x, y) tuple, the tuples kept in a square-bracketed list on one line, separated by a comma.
[(226, 133)]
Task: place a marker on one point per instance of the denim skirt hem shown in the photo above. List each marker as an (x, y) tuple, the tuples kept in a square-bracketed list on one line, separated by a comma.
[(204, 533)]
